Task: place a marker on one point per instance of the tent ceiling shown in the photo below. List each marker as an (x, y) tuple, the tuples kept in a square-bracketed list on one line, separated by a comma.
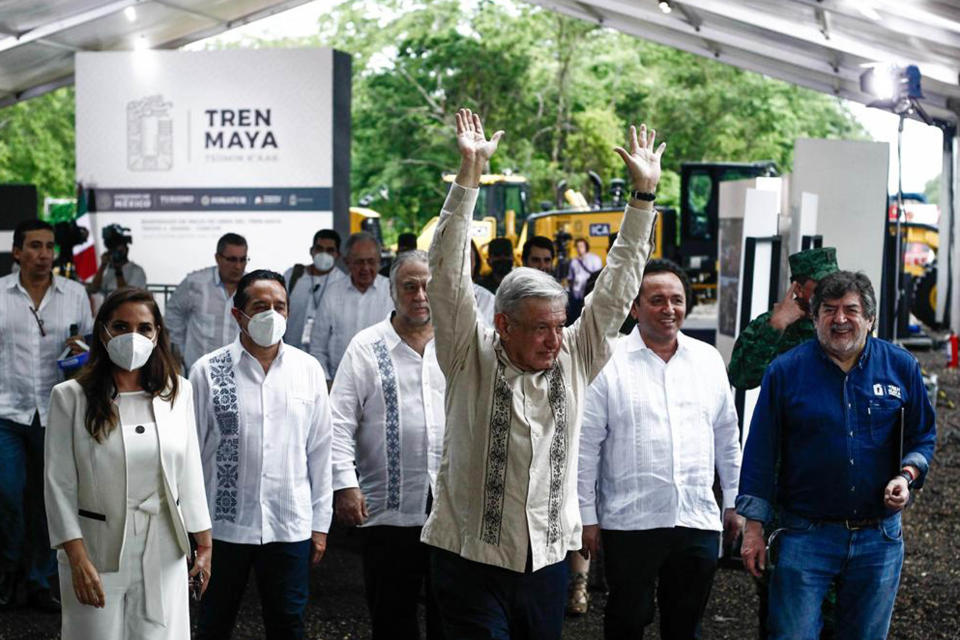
[(38, 38), (819, 44)]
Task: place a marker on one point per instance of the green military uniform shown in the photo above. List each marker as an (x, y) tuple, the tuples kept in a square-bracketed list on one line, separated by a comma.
[(759, 343)]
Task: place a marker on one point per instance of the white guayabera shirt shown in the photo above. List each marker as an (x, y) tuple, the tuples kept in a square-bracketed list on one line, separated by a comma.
[(508, 478), (653, 432), (307, 294), (344, 312), (198, 315), (265, 444), (28, 356), (485, 304), (387, 405)]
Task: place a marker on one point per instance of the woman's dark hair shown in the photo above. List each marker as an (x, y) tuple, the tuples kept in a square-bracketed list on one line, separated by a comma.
[(158, 377), (662, 265)]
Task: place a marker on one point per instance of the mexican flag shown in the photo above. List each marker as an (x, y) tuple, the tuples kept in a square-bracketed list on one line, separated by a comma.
[(67, 210), (84, 255)]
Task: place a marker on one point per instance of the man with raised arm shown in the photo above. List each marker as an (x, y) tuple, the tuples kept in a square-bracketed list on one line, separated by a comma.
[(506, 509)]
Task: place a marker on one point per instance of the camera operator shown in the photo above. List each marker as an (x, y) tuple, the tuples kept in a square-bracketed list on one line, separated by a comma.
[(116, 270)]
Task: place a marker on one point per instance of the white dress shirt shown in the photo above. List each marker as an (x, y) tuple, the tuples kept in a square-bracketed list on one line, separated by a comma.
[(198, 315), (387, 405), (344, 312), (133, 275), (28, 359), (265, 444), (508, 476), (485, 304), (653, 431), (307, 294)]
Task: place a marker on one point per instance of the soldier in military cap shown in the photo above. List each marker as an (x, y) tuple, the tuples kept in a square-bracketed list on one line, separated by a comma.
[(788, 325)]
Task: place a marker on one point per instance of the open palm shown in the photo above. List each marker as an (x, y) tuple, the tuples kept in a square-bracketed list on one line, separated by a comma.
[(643, 159), (471, 141)]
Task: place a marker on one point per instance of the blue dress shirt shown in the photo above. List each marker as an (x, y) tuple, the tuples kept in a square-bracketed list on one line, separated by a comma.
[(836, 434)]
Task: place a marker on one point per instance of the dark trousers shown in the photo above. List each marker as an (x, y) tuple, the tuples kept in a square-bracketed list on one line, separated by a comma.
[(479, 601), (678, 564), (395, 568), (282, 571), (24, 541)]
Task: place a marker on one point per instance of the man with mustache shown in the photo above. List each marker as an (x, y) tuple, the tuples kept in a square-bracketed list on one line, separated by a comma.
[(787, 325), (850, 421), (387, 404), (38, 313), (506, 511)]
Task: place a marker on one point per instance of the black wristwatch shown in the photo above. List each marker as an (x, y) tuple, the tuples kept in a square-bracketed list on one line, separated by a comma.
[(646, 196), (906, 475)]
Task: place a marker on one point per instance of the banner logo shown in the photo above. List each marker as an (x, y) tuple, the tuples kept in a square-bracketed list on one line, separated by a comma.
[(149, 134)]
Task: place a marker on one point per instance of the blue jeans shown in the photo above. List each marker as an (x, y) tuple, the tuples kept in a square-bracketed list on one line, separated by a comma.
[(866, 564), (24, 541), (282, 572)]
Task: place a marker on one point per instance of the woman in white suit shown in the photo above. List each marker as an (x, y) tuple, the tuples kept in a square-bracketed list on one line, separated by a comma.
[(124, 483)]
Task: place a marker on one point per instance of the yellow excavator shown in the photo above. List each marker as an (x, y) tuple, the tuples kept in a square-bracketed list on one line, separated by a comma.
[(688, 237)]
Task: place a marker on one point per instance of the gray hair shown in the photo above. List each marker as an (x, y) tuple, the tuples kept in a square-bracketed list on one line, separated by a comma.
[(523, 283), (840, 283), (414, 255), (358, 237)]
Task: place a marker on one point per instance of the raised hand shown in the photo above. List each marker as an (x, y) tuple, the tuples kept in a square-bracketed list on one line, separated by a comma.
[(643, 159), (471, 140), (788, 310), (475, 149)]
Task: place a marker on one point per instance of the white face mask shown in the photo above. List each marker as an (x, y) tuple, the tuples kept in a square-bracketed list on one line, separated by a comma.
[(323, 261), (129, 351), (266, 328)]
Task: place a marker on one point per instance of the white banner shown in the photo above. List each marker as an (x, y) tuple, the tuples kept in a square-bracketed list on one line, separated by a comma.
[(182, 147)]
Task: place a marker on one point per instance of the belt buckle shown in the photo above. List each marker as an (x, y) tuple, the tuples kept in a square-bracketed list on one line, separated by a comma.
[(857, 525)]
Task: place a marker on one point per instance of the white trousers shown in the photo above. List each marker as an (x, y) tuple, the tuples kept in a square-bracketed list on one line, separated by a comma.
[(125, 615)]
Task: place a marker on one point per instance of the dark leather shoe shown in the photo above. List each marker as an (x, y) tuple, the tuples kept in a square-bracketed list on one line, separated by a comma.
[(8, 589), (43, 600)]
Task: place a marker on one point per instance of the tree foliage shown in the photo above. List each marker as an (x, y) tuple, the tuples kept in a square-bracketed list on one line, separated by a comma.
[(36, 144), (564, 91)]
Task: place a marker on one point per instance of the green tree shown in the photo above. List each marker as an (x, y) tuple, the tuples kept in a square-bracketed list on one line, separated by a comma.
[(932, 190), (37, 144)]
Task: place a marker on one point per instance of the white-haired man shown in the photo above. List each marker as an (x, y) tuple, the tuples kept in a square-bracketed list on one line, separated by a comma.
[(506, 509), (387, 402)]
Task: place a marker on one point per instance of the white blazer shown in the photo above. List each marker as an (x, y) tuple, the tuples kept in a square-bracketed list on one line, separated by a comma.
[(85, 487)]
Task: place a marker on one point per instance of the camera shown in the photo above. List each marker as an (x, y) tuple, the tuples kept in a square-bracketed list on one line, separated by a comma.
[(115, 239)]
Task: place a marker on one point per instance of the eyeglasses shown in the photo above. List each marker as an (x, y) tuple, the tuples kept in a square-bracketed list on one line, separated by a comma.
[(36, 316), (235, 259)]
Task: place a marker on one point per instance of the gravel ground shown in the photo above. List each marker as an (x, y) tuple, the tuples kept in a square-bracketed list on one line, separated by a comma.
[(928, 604)]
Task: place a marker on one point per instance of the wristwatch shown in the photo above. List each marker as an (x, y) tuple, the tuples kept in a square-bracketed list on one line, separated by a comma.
[(906, 475), (646, 196)]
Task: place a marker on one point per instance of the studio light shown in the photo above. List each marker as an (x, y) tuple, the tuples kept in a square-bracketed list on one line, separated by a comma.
[(895, 88), (130, 13), (665, 6)]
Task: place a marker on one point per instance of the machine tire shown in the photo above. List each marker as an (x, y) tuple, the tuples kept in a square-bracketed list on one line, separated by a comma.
[(925, 296)]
